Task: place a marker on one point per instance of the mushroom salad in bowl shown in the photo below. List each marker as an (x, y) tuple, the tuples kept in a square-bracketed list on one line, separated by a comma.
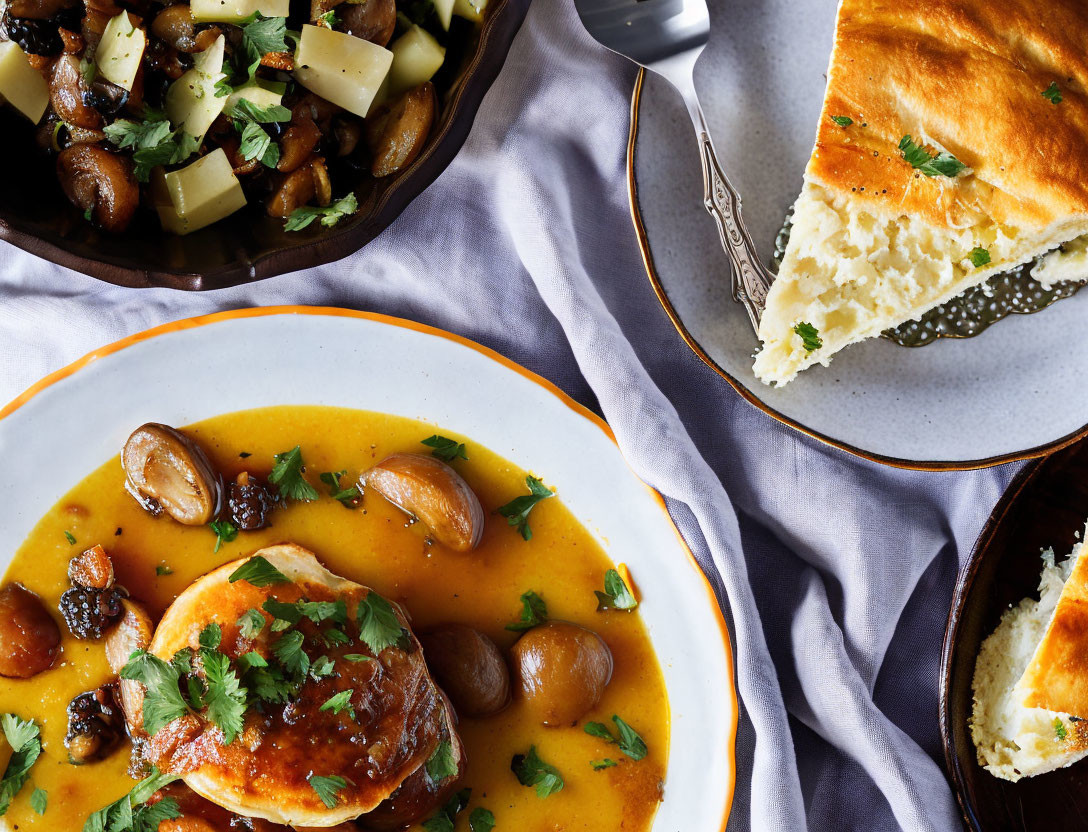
[(305, 617)]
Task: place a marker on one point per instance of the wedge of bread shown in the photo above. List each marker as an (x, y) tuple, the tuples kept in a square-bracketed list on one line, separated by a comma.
[(1014, 739), (952, 145)]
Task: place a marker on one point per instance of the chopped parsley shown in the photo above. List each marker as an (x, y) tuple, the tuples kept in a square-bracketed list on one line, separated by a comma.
[(284, 614), (533, 613), (262, 35), (481, 820), (357, 657), (329, 19), (607, 762), (533, 771), (163, 569), (340, 702), (616, 595), (809, 335), (163, 702), (379, 626), (225, 532), (447, 816), (628, 740), (349, 497), (321, 611), (259, 572), (1060, 730), (24, 737), (327, 788), (288, 650), (251, 623), (444, 448), (1052, 93), (943, 164), (152, 142), (441, 765), (842, 121), (71, 538), (517, 510), (226, 698), (256, 143), (131, 813), (978, 256), (321, 667), (211, 636), (330, 214), (39, 801), (287, 476)]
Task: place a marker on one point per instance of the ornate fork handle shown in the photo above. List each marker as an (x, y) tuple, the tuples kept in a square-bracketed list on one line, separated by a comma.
[(751, 279)]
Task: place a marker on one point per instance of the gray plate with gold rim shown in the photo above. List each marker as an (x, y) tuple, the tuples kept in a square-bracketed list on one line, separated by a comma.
[(1012, 392)]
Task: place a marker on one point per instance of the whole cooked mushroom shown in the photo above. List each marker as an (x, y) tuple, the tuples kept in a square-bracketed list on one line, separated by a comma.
[(432, 492), (469, 668), (100, 183), (167, 471)]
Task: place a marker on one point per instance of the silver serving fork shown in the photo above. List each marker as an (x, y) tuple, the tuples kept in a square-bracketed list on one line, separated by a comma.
[(667, 37)]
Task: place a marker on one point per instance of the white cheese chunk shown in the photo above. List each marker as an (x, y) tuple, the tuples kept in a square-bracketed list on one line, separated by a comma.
[(120, 51), (417, 56), (235, 11), (191, 102), (346, 70), (21, 85), (198, 194)]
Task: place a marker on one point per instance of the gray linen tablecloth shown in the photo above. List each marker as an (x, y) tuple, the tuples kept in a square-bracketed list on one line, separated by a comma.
[(837, 573)]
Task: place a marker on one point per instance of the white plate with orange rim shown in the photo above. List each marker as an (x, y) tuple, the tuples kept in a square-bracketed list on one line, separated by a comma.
[(73, 421)]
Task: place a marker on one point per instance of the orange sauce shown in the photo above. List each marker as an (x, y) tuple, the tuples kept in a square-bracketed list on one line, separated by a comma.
[(376, 546)]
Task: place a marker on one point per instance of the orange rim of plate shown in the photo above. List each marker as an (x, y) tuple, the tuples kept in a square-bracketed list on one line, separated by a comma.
[(487, 352), (748, 395)]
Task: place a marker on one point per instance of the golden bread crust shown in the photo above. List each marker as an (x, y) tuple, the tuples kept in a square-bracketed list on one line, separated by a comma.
[(1057, 677), (966, 76)]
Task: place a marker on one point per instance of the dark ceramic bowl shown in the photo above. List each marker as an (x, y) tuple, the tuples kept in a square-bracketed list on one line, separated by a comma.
[(247, 246), (1044, 506)]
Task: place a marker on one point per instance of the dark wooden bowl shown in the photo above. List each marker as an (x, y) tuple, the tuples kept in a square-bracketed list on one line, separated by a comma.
[(1044, 506), (247, 246)]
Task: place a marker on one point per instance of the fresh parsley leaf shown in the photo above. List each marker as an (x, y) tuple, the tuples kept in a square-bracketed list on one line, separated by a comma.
[(39, 801), (282, 611), (327, 788), (330, 214), (257, 144), (183, 661), (439, 823), (340, 702), (246, 110), (24, 737), (616, 595), (88, 70), (1060, 730), (358, 657), (943, 164), (1052, 93), (348, 497), (259, 572), (251, 623), (481, 820), (445, 449), (607, 762), (533, 612), (226, 698), (211, 636), (266, 34), (287, 476), (129, 813), (441, 765), (334, 637), (288, 649), (320, 611), (71, 538), (163, 702), (321, 667), (223, 88), (533, 771), (447, 816), (267, 683), (379, 626), (249, 660), (842, 121), (809, 335), (225, 532), (163, 569), (517, 510), (978, 256), (630, 742), (329, 19), (152, 142)]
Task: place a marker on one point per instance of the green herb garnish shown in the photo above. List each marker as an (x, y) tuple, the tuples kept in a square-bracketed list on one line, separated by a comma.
[(287, 476), (163, 702), (259, 572), (533, 771), (340, 702), (379, 626), (330, 214), (444, 448), (152, 142), (349, 497), (533, 613), (225, 532), (131, 814), (1059, 728), (163, 569), (327, 788), (943, 164), (629, 741), (978, 256), (1052, 93), (329, 19), (251, 623), (39, 801), (481, 820), (441, 765), (616, 595), (517, 510), (607, 762), (842, 121), (810, 336), (24, 737), (447, 816), (71, 538), (256, 143)]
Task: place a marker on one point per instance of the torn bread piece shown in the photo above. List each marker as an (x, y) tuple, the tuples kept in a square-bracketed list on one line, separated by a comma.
[(952, 145), (1012, 738)]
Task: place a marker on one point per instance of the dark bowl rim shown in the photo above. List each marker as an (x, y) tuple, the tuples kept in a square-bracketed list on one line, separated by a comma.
[(497, 32), (964, 582)]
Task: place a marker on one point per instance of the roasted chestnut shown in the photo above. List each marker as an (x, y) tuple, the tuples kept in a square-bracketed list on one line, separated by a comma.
[(561, 670), (434, 494), (167, 471), (29, 637), (468, 667)]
